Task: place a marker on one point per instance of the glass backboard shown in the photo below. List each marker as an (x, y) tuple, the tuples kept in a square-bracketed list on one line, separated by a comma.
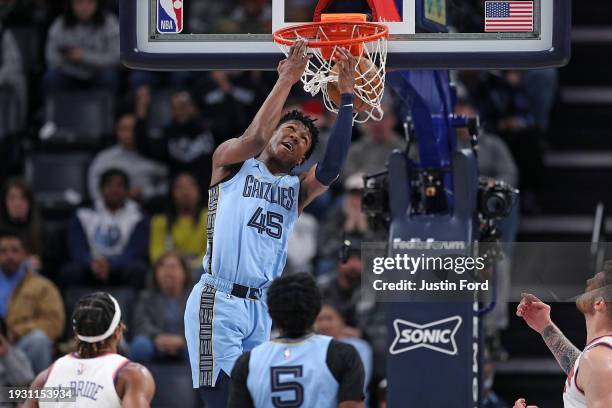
[(237, 34)]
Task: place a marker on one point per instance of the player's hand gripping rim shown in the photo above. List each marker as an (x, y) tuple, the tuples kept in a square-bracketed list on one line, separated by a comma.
[(292, 67)]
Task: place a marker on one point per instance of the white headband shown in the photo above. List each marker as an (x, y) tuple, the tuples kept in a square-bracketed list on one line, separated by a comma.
[(109, 331)]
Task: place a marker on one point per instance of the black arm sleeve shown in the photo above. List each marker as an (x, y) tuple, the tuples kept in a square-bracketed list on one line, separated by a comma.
[(346, 366), (239, 396)]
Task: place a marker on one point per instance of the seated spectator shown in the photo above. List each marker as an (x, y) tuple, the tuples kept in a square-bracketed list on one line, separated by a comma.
[(183, 227), (239, 92), (147, 178), (186, 144), (108, 243), (158, 328), (12, 75), (495, 160), (343, 289), (250, 16), (18, 212), (302, 245), (346, 221), (331, 323), (82, 50), (370, 154), (31, 304), (15, 368)]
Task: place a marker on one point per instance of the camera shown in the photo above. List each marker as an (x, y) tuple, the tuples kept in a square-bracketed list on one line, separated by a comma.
[(495, 198), (375, 195)]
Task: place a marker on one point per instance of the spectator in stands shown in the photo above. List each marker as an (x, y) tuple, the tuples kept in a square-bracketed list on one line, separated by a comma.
[(370, 154), (331, 323), (342, 289), (489, 397), (82, 50), (186, 144), (302, 245), (158, 327), (505, 110), (542, 88), (18, 212), (31, 304), (495, 160), (183, 227), (108, 243), (12, 74), (239, 92), (250, 16), (147, 178), (346, 221), (15, 368)]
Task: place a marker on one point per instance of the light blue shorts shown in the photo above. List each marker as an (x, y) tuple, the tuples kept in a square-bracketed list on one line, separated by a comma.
[(219, 327)]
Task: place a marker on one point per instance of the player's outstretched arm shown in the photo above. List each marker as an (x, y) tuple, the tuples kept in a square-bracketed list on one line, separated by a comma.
[(37, 384), (596, 377), (259, 132), (537, 315), (135, 386), (318, 179)]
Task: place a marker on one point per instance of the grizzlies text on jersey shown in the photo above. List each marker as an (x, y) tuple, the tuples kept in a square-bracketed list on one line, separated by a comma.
[(250, 218)]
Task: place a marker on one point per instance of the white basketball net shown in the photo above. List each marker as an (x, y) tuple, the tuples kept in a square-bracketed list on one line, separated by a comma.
[(369, 83)]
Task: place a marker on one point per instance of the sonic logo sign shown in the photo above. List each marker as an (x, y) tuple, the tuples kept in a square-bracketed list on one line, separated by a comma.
[(438, 336)]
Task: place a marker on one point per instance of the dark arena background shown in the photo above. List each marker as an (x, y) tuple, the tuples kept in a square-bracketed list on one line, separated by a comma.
[(105, 170)]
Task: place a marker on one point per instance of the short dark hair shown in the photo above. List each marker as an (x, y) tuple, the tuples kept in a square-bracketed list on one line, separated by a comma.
[(114, 172), (11, 233), (92, 316), (294, 301), (98, 19), (308, 122)]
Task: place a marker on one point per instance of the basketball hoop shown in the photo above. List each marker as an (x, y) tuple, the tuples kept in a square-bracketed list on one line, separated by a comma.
[(366, 41)]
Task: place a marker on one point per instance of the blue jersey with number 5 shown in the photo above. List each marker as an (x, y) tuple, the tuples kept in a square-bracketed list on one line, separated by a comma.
[(286, 373), (250, 218)]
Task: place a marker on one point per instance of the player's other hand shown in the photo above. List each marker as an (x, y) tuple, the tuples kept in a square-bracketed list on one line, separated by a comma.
[(346, 70), (292, 67), (520, 403), (535, 312)]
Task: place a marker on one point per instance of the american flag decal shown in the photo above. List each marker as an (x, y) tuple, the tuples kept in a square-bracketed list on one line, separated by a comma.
[(509, 16)]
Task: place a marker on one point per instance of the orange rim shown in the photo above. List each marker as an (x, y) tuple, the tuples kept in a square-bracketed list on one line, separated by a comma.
[(367, 32)]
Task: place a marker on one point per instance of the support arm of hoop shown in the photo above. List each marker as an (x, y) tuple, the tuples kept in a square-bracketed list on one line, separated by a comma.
[(338, 143), (382, 10)]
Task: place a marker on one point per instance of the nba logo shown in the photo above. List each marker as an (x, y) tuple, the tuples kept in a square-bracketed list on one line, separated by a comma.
[(169, 16)]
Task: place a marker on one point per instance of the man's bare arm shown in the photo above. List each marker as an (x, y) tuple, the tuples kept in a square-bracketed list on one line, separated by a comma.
[(537, 315), (595, 377), (135, 386), (564, 351), (37, 384), (261, 129)]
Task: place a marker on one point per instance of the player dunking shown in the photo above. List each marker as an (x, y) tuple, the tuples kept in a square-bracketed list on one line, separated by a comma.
[(299, 369), (589, 373), (254, 201), (97, 375)]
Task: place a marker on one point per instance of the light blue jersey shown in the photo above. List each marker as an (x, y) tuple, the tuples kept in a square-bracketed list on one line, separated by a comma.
[(250, 218), (283, 373)]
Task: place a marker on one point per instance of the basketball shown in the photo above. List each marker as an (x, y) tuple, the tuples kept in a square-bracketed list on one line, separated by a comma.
[(367, 85)]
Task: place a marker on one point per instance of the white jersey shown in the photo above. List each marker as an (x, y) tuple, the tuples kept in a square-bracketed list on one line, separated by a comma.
[(573, 395), (92, 380)]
